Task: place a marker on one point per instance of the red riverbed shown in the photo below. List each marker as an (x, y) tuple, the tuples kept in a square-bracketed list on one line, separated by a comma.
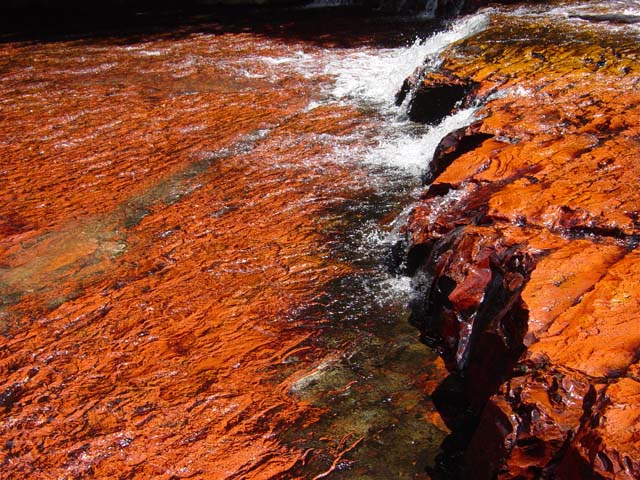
[(163, 224)]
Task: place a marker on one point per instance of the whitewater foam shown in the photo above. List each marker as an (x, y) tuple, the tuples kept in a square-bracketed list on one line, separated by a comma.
[(374, 77), (412, 152)]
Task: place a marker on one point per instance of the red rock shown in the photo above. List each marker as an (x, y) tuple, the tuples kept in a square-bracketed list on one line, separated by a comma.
[(608, 444), (524, 427), (529, 273)]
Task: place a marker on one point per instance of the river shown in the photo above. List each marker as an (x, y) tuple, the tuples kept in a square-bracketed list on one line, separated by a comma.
[(194, 227), (194, 237)]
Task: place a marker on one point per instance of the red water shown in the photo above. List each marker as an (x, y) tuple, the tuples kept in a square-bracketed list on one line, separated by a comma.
[(167, 206)]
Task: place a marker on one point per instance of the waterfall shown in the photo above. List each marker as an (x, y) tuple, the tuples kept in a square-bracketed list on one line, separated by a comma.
[(374, 77)]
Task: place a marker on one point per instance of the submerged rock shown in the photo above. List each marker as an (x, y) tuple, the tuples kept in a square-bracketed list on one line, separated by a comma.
[(525, 249)]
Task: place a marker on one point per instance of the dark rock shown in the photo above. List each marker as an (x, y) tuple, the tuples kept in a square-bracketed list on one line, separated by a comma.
[(437, 95), (469, 307), (526, 427), (453, 145)]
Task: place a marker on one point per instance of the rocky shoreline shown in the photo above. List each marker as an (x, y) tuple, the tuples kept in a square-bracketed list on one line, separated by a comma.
[(523, 248)]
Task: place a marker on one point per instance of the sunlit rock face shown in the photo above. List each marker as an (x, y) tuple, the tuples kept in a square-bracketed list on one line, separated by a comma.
[(529, 288)]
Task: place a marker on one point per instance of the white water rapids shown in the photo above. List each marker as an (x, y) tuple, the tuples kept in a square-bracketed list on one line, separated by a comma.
[(370, 78)]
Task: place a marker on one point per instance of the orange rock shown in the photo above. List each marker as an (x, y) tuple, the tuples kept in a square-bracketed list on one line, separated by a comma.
[(600, 334), (561, 278), (608, 444), (526, 246)]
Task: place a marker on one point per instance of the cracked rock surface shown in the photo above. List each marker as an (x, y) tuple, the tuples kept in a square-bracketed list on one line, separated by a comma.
[(525, 246)]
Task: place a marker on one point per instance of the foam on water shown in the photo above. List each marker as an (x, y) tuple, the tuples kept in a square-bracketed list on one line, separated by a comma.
[(374, 76), (298, 59), (413, 152), (371, 77), (394, 288), (366, 75)]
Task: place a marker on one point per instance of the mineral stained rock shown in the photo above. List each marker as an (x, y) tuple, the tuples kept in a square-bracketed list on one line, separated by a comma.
[(524, 244)]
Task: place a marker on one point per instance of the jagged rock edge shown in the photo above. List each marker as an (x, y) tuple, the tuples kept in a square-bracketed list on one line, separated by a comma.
[(417, 260)]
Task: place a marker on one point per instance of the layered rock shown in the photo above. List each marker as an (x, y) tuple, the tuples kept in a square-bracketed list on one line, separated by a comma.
[(524, 245)]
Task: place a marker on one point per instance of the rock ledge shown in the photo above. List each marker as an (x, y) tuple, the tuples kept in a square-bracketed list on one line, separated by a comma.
[(525, 258)]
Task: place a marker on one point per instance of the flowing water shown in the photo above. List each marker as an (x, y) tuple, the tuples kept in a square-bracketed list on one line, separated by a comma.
[(193, 229), (194, 226)]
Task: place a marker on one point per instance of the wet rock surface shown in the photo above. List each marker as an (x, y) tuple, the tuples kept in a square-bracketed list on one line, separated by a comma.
[(525, 239), (181, 288)]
